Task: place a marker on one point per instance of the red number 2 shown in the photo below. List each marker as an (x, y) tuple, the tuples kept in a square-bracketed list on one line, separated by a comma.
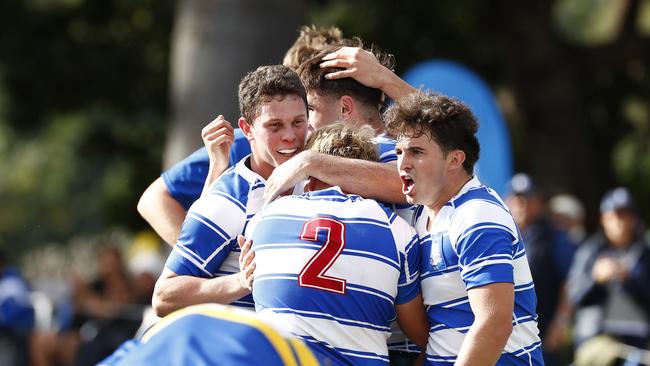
[(312, 274)]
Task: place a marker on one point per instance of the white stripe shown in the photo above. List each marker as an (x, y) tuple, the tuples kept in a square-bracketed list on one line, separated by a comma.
[(443, 288), (300, 245), (522, 271), (271, 277), (532, 285), (477, 261), (371, 254), (362, 271), (447, 342), (449, 306)]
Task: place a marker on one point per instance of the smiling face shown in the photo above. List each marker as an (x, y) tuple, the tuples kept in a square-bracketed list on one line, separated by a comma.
[(277, 133), (423, 169)]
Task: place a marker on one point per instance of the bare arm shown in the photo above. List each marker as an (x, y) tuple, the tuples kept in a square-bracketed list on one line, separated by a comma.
[(363, 66), (162, 211), (492, 305), (368, 179), (173, 292), (412, 320)]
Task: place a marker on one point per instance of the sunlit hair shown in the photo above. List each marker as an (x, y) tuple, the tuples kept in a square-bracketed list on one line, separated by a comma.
[(449, 122), (313, 76), (339, 139), (310, 41), (266, 83)]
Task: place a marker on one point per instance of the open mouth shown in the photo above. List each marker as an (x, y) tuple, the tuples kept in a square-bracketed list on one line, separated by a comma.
[(407, 184), (288, 152)]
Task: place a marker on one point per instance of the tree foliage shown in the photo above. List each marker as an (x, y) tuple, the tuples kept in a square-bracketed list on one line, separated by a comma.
[(83, 105)]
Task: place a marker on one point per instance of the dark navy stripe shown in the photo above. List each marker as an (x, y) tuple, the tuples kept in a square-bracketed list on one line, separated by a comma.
[(347, 322), (361, 360), (213, 226), (478, 193), (286, 293)]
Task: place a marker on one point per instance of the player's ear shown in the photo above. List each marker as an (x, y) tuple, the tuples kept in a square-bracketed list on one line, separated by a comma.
[(456, 159), (245, 128), (346, 106)]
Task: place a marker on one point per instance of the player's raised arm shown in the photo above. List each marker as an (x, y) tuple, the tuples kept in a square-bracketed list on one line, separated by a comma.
[(217, 136), (364, 67)]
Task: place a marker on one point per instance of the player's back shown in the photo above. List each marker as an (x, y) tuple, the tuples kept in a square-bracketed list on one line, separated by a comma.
[(328, 267)]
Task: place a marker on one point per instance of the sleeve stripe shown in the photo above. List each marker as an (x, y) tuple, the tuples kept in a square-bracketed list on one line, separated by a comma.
[(217, 251), (482, 227), (479, 261), (465, 271)]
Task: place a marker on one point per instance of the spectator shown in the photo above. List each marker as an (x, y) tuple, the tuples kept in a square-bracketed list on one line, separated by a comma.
[(609, 281), (549, 253), (16, 315), (568, 213)]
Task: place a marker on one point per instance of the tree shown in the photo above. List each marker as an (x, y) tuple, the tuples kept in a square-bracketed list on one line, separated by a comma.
[(213, 45)]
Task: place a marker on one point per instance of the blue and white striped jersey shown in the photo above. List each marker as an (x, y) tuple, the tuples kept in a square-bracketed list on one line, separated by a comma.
[(207, 245), (330, 269), (386, 148), (472, 242)]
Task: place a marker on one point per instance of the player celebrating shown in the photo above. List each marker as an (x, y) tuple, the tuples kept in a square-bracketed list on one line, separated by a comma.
[(204, 264), (475, 278), (335, 268)]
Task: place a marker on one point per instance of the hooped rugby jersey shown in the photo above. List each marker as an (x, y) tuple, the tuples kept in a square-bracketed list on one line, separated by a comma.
[(473, 242), (330, 268)]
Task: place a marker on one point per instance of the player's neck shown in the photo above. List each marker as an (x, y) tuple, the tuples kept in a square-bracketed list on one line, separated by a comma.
[(260, 167), (453, 186)]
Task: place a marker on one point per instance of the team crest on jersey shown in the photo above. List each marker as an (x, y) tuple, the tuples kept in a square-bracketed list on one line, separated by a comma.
[(436, 258)]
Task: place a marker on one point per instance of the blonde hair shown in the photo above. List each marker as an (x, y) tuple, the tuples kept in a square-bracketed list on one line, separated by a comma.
[(310, 41), (339, 139)]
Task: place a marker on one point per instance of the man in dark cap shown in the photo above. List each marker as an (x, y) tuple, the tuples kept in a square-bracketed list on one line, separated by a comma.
[(609, 282), (549, 252)]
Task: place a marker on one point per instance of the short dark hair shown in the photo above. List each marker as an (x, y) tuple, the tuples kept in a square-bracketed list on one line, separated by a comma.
[(265, 83), (342, 140), (313, 76), (448, 121)]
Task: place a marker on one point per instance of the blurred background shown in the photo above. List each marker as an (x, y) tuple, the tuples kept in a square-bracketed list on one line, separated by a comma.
[(98, 97)]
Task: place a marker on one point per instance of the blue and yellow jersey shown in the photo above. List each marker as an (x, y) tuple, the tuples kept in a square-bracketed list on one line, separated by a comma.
[(212, 334)]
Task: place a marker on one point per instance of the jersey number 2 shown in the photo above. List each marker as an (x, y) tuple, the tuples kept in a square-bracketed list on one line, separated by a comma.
[(313, 274)]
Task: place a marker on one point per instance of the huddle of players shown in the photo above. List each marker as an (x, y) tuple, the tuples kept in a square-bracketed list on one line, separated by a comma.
[(329, 263)]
